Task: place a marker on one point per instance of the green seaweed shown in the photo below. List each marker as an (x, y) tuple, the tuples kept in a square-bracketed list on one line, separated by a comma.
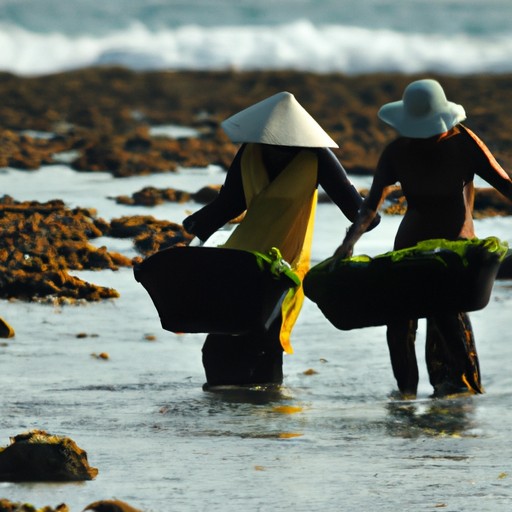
[(461, 247), (435, 248), (277, 265)]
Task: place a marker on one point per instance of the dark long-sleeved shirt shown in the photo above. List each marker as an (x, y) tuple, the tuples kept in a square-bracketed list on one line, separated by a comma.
[(230, 202)]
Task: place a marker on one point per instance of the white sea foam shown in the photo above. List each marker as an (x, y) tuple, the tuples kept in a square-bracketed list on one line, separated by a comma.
[(299, 45)]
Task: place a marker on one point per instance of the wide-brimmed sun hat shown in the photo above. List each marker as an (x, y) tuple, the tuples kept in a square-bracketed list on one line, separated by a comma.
[(279, 120), (423, 111)]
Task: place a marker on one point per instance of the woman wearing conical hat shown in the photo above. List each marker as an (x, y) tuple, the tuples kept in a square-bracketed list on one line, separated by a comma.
[(274, 177), (435, 159)]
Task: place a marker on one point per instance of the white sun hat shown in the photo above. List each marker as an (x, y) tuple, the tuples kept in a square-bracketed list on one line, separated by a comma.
[(279, 120), (423, 111)]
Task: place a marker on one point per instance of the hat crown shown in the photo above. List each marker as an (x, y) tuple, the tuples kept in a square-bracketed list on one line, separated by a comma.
[(422, 97)]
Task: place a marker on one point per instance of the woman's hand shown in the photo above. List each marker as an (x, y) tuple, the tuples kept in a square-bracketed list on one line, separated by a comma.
[(343, 251)]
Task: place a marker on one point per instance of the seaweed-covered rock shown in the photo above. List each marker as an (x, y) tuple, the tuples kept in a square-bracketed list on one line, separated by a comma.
[(10, 506), (149, 234), (37, 456), (42, 242), (121, 155), (108, 126), (29, 153), (152, 196), (111, 506), (138, 153)]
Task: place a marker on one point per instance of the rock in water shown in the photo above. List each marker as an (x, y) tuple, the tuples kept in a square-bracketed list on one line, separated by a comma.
[(111, 506), (9, 506), (37, 456), (6, 331)]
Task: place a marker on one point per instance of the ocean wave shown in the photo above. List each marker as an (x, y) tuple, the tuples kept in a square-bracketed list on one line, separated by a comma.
[(300, 45)]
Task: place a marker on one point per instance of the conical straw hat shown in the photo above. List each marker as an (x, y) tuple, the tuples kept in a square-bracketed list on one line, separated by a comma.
[(279, 120)]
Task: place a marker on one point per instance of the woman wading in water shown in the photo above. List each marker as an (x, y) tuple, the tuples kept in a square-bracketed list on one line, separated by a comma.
[(274, 177), (435, 159)]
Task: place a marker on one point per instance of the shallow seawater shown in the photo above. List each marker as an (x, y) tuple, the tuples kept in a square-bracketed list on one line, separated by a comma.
[(332, 438)]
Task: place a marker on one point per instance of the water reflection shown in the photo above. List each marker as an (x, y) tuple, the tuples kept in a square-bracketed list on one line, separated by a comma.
[(264, 408), (258, 412), (433, 418), (251, 395)]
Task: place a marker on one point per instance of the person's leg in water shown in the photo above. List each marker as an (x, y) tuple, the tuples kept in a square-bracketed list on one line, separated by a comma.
[(245, 359), (451, 356), (401, 337)]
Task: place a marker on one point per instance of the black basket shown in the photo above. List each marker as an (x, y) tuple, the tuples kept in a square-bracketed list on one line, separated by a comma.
[(363, 292), (212, 290)]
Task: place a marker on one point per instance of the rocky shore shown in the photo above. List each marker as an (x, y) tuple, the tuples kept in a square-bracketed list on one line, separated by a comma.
[(101, 119), (104, 114)]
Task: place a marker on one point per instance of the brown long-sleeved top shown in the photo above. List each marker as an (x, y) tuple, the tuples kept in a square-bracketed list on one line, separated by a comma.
[(436, 175)]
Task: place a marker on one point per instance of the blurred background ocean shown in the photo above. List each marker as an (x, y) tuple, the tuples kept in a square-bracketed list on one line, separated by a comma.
[(349, 36)]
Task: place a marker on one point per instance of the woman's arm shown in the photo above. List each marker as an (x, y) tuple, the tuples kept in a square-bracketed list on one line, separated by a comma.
[(230, 203), (487, 167), (355, 232), (379, 189), (334, 180)]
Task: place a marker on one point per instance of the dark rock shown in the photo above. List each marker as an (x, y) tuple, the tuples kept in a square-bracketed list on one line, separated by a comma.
[(6, 331), (206, 194), (37, 456), (9, 506), (152, 196), (111, 506)]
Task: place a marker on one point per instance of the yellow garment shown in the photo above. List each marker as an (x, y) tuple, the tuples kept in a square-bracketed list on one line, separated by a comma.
[(280, 214)]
